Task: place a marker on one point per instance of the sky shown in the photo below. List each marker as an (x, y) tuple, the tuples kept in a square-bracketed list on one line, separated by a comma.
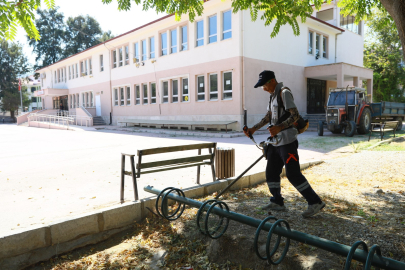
[(108, 17)]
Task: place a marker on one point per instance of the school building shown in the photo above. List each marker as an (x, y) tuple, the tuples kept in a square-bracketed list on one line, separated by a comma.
[(204, 71)]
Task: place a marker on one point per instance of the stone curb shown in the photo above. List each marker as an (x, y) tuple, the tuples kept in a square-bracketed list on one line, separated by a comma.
[(26, 247), (385, 141)]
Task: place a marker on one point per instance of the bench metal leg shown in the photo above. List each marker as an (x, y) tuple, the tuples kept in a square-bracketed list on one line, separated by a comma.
[(122, 177), (134, 178), (198, 169), (212, 165)]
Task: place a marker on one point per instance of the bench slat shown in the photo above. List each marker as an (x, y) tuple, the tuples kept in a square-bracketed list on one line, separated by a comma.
[(177, 167), (173, 161), (160, 150)]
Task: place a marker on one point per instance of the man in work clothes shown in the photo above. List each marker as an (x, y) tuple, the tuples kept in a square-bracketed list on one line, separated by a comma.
[(285, 153)]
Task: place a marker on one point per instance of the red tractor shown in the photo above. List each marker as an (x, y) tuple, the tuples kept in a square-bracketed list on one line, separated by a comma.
[(347, 110)]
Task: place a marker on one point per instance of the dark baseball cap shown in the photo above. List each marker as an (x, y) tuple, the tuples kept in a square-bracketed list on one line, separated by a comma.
[(264, 77)]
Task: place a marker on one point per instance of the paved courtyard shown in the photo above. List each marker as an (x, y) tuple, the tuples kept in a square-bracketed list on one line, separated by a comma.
[(50, 175)]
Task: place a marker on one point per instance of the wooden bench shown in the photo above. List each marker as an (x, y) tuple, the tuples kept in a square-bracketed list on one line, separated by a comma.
[(383, 127), (165, 165)]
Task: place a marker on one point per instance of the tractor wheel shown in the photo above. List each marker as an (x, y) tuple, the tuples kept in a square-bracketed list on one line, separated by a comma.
[(337, 131), (365, 121), (350, 129), (320, 128), (399, 119)]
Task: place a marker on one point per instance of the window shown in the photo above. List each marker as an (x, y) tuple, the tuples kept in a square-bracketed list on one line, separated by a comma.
[(115, 97), (64, 69), (81, 68), (120, 57), (200, 33), (83, 100), (77, 71), (310, 44), (145, 93), (33, 99), (91, 99), (128, 89), (163, 38), (325, 47), (152, 48), (70, 74), (56, 78), (87, 99), (77, 100), (85, 67), (58, 75), (74, 101), (136, 48), (175, 91), (185, 89), (213, 86), (144, 50), (200, 88), (184, 38), (126, 55), (173, 42), (317, 44), (122, 97), (212, 29), (101, 63), (153, 93), (137, 95), (90, 67), (227, 25), (349, 24), (165, 92), (227, 85), (114, 55)]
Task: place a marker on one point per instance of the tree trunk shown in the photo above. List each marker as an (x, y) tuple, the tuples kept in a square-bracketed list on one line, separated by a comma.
[(12, 116), (396, 8)]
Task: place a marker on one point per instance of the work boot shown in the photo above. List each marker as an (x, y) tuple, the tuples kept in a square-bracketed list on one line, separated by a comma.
[(313, 209), (274, 206)]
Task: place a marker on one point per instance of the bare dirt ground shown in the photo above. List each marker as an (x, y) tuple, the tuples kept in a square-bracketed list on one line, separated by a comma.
[(365, 197)]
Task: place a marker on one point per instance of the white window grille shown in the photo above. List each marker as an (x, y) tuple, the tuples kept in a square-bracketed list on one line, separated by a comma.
[(163, 37), (137, 95), (115, 97), (145, 93), (101, 63), (153, 93), (136, 49), (122, 97), (77, 71), (173, 42), (185, 96), (87, 100), (128, 90), (70, 75), (175, 91), (184, 38), (77, 101), (90, 67), (310, 42), (74, 101), (120, 56), (144, 50), (227, 85), (152, 47), (91, 99), (227, 25), (200, 88), (114, 55), (212, 29), (126, 55), (200, 33), (213, 86), (165, 92), (325, 47)]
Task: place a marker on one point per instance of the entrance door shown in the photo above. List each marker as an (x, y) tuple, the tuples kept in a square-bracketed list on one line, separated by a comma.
[(98, 105), (316, 96)]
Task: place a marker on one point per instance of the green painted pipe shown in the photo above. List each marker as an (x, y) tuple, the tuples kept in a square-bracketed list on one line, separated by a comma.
[(343, 250)]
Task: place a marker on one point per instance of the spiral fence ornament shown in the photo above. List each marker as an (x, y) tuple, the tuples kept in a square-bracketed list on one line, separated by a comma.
[(257, 234), (180, 209), (287, 243), (225, 227), (221, 211), (351, 252)]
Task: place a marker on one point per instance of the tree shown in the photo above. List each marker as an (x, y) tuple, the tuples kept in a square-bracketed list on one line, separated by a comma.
[(383, 54), (13, 65), (106, 36), (81, 32), (21, 12), (51, 28)]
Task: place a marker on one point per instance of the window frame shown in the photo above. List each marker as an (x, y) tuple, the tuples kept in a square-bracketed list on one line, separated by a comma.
[(224, 32), (223, 89), (145, 98), (128, 95), (198, 88), (122, 95), (310, 42), (210, 85), (173, 41), (152, 97), (137, 88), (91, 99), (144, 55), (175, 97), (325, 44), (197, 39), (120, 57), (165, 98), (163, 49), (152, 47), (210, 35), (90, 67), (184, 45), (116, 97), (114, 56), (101, 58), (126, 51), (183, 95), (136, 52)]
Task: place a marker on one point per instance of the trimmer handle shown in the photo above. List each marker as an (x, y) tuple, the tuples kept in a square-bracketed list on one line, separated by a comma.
[(245, 128)]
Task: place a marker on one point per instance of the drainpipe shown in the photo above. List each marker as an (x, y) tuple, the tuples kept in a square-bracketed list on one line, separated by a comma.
[(242, 68), (109, 65)]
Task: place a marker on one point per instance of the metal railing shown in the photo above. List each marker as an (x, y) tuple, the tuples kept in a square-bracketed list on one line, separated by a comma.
[(61, 120), (370, 257)]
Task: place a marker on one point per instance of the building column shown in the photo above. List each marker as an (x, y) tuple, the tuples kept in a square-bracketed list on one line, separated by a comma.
[(356, 81), (340, 79), (370, 89)]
